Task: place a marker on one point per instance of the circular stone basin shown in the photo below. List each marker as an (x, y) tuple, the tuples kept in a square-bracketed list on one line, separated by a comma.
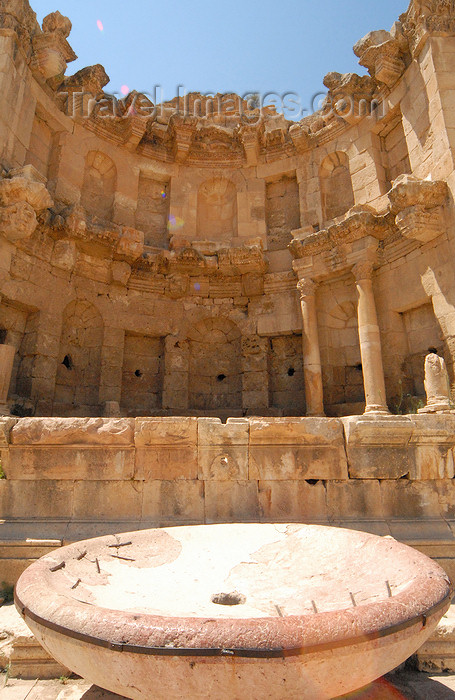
[(233, 611)]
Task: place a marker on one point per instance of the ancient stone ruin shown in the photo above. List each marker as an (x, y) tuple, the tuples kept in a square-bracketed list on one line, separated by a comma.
[(209, 313)]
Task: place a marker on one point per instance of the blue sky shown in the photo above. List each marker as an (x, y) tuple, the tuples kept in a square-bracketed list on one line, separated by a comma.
[(240, 46)]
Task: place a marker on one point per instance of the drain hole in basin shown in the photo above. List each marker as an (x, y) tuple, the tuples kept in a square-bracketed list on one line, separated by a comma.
[(228, 599)]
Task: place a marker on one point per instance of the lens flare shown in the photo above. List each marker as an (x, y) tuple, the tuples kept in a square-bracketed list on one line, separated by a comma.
[(163, 194), (175, 223), (99, 24), (125, 90), (197, 286)]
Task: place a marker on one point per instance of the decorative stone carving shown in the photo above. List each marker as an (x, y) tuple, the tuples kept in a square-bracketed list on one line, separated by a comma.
[(130, 245), (363, 270), (51, 50), (359, 223), (183, 129), (350, 95), (137, 129), (19, 17), (91, 79), (249, 135), (178, 285), (301, 137), (307, 287), (418, 206), (275, 131), (79, 93), (437, 385), (7, 353), (17, 221), (23, 188), (22, 195), (383, 54), (425, 17)]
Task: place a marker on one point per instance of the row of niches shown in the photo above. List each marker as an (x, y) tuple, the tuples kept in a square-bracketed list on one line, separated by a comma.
[(211, 369), (217, 202), (217, 208)]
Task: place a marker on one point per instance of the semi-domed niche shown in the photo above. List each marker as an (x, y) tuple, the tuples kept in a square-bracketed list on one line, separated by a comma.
[(100, 182), (217, 210), (337, 195), (79, 368), (215, 378)]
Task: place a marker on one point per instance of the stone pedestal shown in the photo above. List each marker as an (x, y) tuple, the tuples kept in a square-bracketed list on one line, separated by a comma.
[(370, 341), (7, 353), (437, 385), (311, 354)]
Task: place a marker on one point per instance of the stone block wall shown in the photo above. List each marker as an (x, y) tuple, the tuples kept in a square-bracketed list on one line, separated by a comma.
[(67, 479)]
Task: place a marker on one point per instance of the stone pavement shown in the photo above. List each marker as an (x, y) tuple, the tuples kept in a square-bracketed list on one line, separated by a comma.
[(404, 685)]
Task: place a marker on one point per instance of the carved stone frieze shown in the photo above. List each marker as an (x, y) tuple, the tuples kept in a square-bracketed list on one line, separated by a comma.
[(23, 195), (384, 54), (418, 206), (182, 129), (51, 50), (358, 224), (350, 95), (363, 270), (306, 287), (426, 17)]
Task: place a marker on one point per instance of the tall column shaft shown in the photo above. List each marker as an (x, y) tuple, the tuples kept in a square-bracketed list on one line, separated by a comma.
[(370, 341), (312, 370)]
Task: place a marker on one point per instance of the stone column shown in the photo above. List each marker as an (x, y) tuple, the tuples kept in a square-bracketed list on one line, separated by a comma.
[(176, 374), (110, 389), (7, 353), (312, 370), (370, 340)]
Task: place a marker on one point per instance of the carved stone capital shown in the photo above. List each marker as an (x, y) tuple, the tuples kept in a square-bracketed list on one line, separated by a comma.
[(301, 137), (383, 54), (408, 191), (426, 17), (55, 22), (249, 135), (363, 270), (307, 287), (183, 129), (421, 224), (350, 95), (91, 79), (418, 206)]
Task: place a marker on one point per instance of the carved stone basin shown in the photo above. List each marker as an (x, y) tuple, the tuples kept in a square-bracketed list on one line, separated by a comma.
[(233, 611)]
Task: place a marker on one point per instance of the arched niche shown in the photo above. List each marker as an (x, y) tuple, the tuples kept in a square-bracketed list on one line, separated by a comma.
[(215, 377), (79, 360), (217, 210), (99, 185), (337, 195)]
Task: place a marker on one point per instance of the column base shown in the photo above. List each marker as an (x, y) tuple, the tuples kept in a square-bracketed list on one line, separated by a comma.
[(4, 409), (437, 408), (379, 410)]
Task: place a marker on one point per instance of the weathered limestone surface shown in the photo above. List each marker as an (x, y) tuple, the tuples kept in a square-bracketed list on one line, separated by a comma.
[(67, 479), (138, 225)]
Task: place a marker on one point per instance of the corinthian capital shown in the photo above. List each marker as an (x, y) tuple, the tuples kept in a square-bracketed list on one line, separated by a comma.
[(363, 270), (307, 287)]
